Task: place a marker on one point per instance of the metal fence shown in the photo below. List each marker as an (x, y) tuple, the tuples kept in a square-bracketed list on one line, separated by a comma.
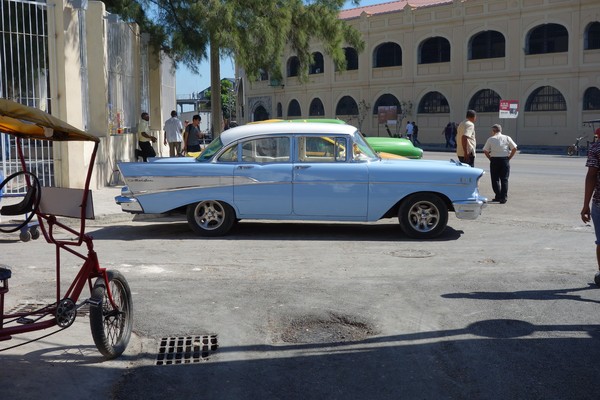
[(122, 102), (24, 78)]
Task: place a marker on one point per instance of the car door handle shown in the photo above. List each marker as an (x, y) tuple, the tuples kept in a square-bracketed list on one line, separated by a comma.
[(302, 167), (245, 166)]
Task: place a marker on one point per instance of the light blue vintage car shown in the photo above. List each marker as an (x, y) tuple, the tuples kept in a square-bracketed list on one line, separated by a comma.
[(293, 171)]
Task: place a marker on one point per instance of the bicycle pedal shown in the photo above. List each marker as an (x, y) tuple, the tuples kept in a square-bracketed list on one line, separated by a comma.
[(94, 303), (24, 321)]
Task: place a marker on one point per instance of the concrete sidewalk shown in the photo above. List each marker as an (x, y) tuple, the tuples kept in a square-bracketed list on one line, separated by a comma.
[(61, 363)]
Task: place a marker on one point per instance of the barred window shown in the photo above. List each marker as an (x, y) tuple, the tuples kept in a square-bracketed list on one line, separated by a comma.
[(434, 50), (294, 109), (548, 38), (293, 65), (387, 54), (316, 108), (591, 99), (488, 44), (386, 100), (317, 67), (592, 36), (434, 103), (546, 98), (485, 100), (346, 106)]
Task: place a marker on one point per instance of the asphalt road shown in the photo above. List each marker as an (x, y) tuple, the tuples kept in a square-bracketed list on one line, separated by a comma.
[(496, 308)]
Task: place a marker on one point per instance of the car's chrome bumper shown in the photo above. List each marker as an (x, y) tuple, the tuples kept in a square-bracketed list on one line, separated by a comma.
[(470, 209), (129, 204)]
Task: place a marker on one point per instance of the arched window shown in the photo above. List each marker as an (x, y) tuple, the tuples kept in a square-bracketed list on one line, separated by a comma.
[(386, 100), (293, 65), (260, 114), (294, 109), (262, 75), (387, 54), (546, 98), (591, 38), (434, 50), (317, 67), (433, 103), (488, 44), (351, 58), (346, 106), (485, 100), (316, 108), (279, 110), (547, 38), (591, 99)]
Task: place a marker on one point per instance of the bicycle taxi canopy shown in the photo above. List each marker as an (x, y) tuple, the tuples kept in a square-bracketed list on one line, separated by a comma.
[(31, 123)]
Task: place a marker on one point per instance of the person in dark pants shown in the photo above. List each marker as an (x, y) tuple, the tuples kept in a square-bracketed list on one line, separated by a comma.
[(145, 140), (499, 149)]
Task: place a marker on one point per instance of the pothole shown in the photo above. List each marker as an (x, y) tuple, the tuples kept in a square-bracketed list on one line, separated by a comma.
[(329, 328), (411, 253)]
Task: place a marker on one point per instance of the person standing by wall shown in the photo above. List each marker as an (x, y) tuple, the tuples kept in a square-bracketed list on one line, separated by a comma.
[(145, 140), (192, 135), (592, 194), (499, 149), (173, 134), (409, 131), (465, 139)]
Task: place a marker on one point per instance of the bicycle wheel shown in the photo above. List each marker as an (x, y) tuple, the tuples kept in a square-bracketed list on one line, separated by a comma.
[(111, 328)]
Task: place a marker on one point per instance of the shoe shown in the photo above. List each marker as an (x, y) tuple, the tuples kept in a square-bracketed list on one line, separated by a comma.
[(494, 200), (503, 201), (597, 278)]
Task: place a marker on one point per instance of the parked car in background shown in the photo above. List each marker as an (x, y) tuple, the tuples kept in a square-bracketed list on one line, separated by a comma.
[(291, 171), (398, 146)]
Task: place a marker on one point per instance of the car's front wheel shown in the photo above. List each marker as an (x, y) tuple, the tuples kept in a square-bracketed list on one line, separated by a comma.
[(423, 216), (210, 217)]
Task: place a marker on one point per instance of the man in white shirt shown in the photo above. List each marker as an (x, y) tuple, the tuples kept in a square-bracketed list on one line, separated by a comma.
[(466, 144), (173, 134), (499, 149), (145, 140)]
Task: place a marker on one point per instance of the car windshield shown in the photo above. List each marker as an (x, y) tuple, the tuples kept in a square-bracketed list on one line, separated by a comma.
[(210, 150), (362, 150)]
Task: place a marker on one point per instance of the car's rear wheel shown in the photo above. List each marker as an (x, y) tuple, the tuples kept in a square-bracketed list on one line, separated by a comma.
[(210, 217), (423, 216)]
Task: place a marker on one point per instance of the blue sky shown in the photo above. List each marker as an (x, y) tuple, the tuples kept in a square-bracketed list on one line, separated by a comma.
[(187, 82)]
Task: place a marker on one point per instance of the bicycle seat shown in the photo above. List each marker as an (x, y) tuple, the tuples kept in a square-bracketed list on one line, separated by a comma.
[(22, 207)]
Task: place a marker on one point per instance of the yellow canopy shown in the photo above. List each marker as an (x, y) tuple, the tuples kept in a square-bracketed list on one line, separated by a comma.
[(32, 123)]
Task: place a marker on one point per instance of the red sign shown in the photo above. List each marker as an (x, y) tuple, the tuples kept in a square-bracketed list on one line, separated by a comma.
[(509, 109)]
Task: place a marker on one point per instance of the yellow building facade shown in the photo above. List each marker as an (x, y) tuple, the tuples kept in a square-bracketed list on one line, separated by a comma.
[(433, 60)]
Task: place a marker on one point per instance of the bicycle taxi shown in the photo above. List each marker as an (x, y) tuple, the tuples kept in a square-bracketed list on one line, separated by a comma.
[(109, 298)]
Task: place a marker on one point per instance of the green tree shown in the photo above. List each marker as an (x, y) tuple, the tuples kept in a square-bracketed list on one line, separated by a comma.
[(255, 33), (227, 98)]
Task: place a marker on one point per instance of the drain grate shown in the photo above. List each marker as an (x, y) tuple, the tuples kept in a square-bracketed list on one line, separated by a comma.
[(186, 349)]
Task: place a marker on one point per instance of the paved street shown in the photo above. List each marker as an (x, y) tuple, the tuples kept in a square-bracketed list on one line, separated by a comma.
[(503, 307)]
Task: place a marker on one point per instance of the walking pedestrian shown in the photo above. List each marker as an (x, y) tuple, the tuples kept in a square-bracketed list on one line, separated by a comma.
[(416, 134), (192, 135), (499, 149), (173, 134), (447, 132), (409, 131), (145, 140), (465, 139), (592, 193)]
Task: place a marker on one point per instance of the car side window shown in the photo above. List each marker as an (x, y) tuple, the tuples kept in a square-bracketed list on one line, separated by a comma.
[(266, 150), (321, 149), (230, 155)]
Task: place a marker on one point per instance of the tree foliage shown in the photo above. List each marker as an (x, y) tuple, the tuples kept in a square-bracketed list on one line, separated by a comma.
[(255, 33)]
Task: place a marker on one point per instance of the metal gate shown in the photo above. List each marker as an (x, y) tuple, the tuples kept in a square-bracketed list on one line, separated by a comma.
[(24, 79)]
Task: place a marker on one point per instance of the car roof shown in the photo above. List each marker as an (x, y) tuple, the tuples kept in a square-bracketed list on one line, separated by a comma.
[(241, 132)]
